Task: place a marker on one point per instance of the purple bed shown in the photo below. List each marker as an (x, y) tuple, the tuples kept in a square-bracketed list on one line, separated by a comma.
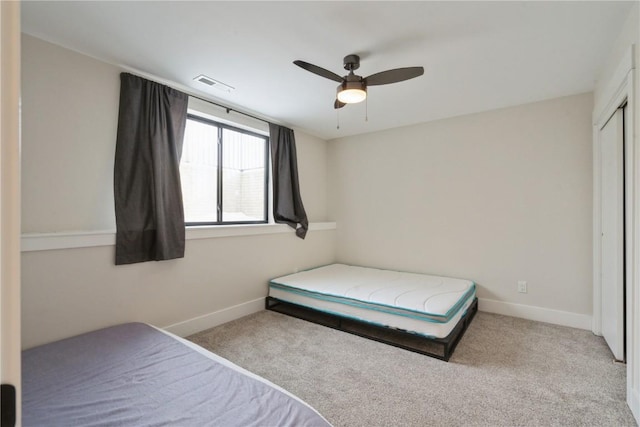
[(136, 375)]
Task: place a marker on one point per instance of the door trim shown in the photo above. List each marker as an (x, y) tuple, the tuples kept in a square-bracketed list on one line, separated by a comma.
[(10, 369), (611, 142)]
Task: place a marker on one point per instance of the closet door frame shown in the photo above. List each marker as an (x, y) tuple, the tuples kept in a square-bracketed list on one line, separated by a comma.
[(621, 90)]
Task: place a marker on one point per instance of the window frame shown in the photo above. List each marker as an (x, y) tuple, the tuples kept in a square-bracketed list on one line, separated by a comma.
[(220, 184)]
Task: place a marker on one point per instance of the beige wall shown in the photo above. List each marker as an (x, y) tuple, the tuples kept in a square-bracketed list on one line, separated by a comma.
[(495, 197), (66, 292), (69, 121)]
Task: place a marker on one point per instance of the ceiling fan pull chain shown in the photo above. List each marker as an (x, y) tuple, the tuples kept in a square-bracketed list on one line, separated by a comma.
[(338, 119), (366, 110)]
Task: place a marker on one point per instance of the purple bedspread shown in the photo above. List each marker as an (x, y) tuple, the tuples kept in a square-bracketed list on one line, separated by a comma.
[(134, 375)]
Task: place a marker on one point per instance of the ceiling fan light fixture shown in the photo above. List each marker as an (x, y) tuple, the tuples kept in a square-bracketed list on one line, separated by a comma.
[(352, 92)]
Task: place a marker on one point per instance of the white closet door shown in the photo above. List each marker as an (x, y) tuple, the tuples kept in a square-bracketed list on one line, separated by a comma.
[(611, 142)]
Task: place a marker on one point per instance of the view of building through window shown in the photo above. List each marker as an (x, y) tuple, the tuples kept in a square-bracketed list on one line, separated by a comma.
[(224, 174)]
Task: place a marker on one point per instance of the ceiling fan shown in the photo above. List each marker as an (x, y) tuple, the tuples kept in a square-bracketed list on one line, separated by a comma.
[(353, 88)]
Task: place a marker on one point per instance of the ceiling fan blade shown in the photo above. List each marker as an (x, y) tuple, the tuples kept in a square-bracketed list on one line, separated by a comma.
[(319, 71), (394, 76), (338, 104)]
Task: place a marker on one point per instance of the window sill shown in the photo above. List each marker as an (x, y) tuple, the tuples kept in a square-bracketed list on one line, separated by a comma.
[(32, 242)]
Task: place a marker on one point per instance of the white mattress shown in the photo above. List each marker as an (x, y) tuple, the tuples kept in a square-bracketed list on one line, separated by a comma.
[(418, 303)]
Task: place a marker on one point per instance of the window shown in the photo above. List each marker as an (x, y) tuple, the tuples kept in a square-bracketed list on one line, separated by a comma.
[(224, 176)]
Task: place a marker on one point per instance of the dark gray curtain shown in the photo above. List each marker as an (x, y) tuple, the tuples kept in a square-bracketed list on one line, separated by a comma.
[(148, 196), (287, 203)]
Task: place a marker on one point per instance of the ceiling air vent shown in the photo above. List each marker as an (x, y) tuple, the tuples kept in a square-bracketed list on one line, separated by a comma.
[(213, 83)]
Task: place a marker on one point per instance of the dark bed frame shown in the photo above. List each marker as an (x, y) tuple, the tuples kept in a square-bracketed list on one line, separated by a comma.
[(440, 348)]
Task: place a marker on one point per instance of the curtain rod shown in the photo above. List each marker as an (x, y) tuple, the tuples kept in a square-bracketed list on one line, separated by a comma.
[(229, 109)]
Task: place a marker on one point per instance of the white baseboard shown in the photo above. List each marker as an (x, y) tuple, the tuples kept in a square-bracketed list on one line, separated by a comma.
[(557, 317), (540, 314), (210, 320)]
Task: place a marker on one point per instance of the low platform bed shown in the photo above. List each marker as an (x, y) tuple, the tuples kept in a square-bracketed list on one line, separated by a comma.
[(418, 312)]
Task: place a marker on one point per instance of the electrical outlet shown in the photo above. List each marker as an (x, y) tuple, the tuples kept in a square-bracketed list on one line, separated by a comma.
[(522, 286)]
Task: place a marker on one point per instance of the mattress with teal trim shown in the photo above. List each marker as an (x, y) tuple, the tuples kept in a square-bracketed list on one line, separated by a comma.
[(419, 303)]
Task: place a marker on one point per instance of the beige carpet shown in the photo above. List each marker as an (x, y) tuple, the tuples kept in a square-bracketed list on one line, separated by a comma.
[(504, 372)]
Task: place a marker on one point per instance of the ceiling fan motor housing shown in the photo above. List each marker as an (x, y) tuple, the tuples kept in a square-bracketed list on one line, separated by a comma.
[(352, 85), (351, 62)]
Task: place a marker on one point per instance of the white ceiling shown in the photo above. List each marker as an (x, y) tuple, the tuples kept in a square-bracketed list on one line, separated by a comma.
[(477, 55)]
